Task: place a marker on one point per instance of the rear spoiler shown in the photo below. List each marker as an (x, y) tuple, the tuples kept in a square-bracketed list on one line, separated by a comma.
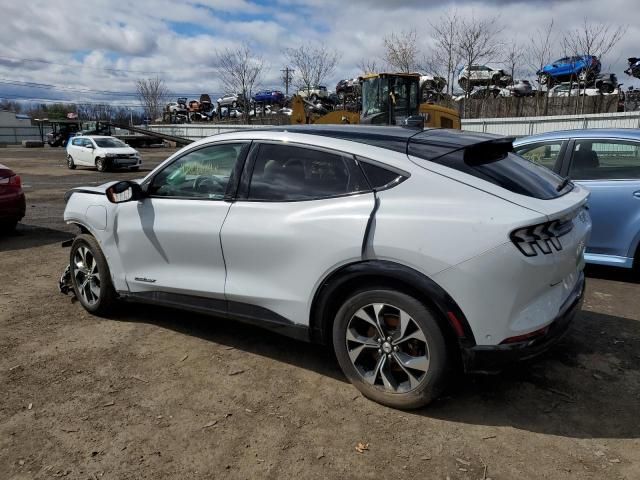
[(477, 148), (487, 152)]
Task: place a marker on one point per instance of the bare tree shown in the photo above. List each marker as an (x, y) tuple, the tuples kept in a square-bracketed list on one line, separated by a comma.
[(477, 41), (444, 57), (313, 64), (152, 93), (240, 71), (368, 66), (539, 54), (513, 58), (592, 39), (401, 51)]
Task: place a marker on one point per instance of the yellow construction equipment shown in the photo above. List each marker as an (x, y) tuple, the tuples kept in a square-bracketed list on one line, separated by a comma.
[(387, 99)]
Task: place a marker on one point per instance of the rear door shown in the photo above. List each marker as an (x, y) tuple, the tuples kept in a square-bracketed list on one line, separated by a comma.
[(301, 212), (610, 170)]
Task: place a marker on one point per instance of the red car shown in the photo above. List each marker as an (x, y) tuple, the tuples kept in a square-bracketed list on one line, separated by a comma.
[(12, 202)]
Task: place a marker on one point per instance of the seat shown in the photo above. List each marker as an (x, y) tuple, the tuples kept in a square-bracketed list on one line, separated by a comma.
[(585, 158)]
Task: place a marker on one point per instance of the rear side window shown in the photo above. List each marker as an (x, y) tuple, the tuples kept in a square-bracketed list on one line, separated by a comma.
[(605, 160), (77, 142), (380, 178), (543, 153), (511, 172), (290, 173)]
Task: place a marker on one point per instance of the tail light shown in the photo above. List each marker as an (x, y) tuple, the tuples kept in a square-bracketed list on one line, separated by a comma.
[(11, 182), (542, 238)]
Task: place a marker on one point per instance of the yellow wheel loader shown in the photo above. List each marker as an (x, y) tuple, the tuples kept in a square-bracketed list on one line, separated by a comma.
[(387, 99)]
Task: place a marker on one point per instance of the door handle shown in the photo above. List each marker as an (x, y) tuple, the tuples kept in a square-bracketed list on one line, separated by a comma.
[(636, 194)]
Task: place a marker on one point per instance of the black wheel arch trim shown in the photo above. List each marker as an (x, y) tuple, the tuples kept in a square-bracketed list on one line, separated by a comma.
[(320, 319)]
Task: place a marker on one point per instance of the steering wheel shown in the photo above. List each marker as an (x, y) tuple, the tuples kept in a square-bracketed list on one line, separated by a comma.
[(206, 184)]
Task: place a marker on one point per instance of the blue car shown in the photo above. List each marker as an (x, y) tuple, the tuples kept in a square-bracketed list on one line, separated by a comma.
[(584, 68), (269, 97), (607, 163)]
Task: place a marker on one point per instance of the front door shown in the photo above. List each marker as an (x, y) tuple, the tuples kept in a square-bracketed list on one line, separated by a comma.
[(170, 240)]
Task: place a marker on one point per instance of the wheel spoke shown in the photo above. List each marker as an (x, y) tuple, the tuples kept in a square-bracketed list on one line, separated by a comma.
[(404, 323), (417, 335), (413, 380), (415, 363), (95, 289), (387, 377), (362, 314), (371, 376), (353, 336)]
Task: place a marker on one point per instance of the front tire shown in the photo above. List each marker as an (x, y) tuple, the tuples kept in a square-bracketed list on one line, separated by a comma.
[(390, 347), (101, 164), (90, 276), (70, 163)]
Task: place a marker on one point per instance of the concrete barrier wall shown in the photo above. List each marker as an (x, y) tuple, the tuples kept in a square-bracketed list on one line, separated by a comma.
[(523, 126)]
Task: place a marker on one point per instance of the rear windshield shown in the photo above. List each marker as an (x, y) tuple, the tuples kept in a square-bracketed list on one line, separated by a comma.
[(511, 172)]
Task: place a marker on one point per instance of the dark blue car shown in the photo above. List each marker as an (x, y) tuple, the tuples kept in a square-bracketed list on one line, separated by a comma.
[(269, 97), (584, 68), (607, 163)]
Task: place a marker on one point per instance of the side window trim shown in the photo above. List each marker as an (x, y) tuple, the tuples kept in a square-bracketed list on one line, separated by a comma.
[(247, 174), (233, 179)]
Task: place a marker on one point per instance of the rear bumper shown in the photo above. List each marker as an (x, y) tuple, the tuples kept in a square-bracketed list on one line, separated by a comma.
[(491, 359), (12, 207)]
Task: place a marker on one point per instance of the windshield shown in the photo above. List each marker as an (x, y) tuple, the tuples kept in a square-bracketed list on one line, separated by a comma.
[(400, 92), (109, 143)]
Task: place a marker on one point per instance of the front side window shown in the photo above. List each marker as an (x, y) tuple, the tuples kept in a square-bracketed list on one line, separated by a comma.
[(202, 173), (544, 153), (605, 160), (87, 143), (290, 173)]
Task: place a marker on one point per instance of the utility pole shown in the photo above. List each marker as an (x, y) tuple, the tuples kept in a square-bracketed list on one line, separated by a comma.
[(287, 76)]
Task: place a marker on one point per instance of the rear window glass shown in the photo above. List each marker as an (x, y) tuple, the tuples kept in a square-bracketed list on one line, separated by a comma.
[(511, 172), (379, 177)]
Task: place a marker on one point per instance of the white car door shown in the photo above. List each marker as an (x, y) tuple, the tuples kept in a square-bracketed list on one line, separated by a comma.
[(169, 242), (86, 152), (303, 213), (75, 149)]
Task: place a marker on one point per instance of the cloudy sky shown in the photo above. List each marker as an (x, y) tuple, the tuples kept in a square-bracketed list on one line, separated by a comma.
[(94, 50)]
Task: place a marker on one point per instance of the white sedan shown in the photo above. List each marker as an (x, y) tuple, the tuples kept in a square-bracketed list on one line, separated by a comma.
[(103, 153)]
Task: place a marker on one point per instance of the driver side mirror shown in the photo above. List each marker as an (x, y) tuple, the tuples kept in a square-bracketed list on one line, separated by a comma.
[(124, 191)]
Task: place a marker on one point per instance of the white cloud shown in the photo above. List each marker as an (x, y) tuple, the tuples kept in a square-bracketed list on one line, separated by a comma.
[(156, 35)]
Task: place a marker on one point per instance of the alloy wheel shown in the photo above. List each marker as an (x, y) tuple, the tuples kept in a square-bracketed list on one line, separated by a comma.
[(387, 347), (86, 275)]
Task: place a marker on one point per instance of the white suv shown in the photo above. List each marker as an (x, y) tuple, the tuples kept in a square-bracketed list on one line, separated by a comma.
[(408, 251), (477, 75), (103, 153)]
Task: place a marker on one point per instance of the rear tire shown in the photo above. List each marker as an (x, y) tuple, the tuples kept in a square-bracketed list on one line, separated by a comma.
[(70, 163), (390, 347), (90, 276)]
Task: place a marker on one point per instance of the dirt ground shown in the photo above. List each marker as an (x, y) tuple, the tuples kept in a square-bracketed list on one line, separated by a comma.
[(155, 393)]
